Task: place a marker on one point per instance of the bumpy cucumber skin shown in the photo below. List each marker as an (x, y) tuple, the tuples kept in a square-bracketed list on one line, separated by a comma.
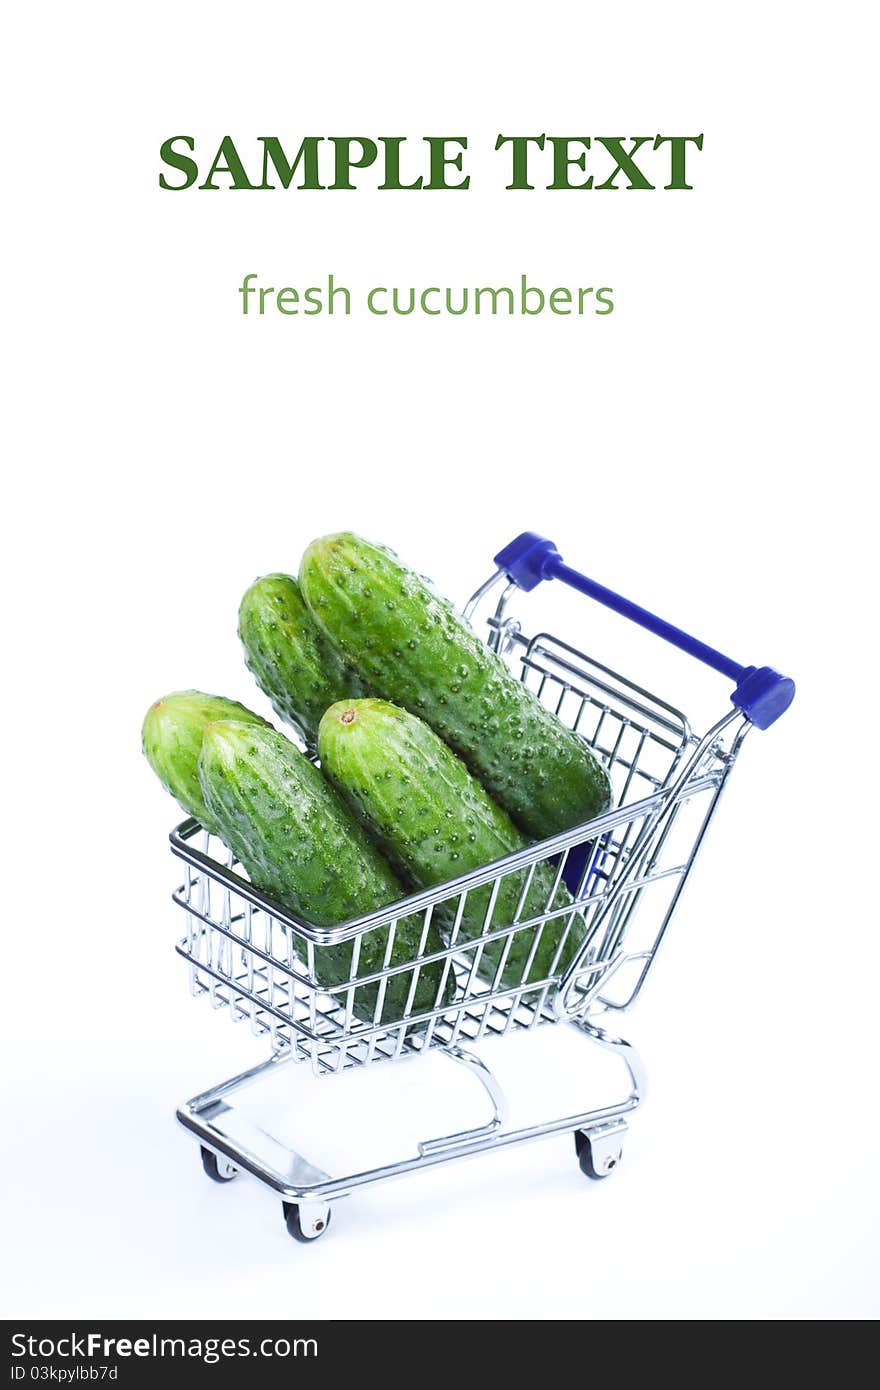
[(411, 647), (301, 846), (172, 740), (435, 821), (288, 655)]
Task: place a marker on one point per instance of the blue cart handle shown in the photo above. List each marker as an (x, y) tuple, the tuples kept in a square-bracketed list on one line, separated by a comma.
[(761, 693)]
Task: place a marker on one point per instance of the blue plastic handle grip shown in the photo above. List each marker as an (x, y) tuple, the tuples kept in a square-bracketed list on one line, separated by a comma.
[(761, 693)]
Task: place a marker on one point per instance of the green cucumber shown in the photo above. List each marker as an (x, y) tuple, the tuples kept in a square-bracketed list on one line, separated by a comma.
[(301, 846), (411, 647), (435, 821), (289, 657), (172, 740)]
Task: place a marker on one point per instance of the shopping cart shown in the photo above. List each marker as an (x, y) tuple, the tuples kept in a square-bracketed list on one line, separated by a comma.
[(624, 871)]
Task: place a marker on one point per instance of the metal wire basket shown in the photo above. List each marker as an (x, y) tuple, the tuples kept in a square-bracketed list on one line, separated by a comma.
[(615, 884)]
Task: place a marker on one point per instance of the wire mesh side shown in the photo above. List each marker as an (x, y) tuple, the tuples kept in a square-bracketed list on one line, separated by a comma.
[(489, 958)]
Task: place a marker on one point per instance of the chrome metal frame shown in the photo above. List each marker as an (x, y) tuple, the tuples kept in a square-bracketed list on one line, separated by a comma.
[(624, 871), (212, 1117)]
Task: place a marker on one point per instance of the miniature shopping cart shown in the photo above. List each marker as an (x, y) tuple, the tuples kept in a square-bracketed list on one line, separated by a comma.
[(624, 872)]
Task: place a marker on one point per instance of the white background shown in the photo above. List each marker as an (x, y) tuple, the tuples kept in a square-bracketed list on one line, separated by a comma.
[(707, 449)]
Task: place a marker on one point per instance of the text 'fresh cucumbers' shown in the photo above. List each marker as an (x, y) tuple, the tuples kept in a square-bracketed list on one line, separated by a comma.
[(288, 655), (411, 647), (435, 822), (172, 740), (300, 845)]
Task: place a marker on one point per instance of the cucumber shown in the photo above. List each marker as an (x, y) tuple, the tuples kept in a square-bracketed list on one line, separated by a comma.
[(301, 846), (411, 647), (435, 821), (172, 740), (289, 657)]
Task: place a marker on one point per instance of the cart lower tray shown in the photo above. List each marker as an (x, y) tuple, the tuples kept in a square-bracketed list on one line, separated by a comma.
[(238, 1136)]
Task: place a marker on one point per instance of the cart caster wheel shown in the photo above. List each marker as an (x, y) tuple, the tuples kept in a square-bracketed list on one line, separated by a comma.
[(306, 1223), (218, 1169), (592, 1166)]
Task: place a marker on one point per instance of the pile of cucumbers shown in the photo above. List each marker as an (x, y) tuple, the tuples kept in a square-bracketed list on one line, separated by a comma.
[(434, 760)]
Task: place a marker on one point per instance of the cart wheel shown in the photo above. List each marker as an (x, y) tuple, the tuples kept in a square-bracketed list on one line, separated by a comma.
[(306, 1224), (218, 1169), (584, 1151)]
